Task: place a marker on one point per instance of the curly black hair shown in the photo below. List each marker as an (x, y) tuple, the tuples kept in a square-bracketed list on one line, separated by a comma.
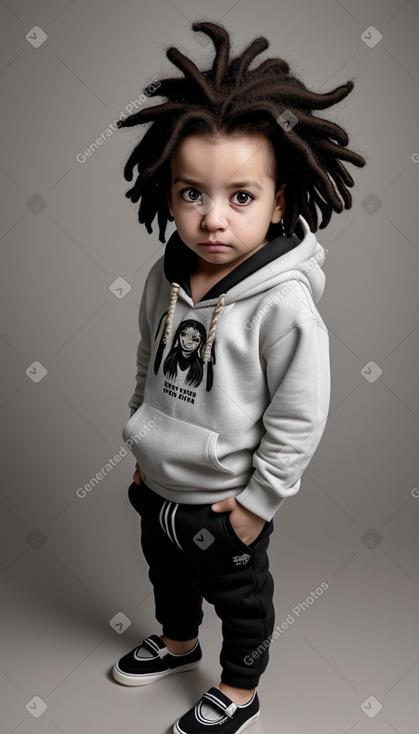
[(230, 99)]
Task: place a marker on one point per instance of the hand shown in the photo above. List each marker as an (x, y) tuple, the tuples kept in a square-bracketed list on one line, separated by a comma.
[(138, 476), (245, 523)]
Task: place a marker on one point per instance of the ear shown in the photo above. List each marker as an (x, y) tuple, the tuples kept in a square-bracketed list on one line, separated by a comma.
[(279, 207)]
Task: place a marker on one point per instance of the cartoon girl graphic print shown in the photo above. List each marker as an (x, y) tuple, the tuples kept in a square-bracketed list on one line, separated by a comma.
[(185, 357), (184, 363)]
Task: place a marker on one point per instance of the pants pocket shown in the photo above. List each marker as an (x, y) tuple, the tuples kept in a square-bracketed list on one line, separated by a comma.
[(232, 536), (143, 498), (264, 533), (237, 542)]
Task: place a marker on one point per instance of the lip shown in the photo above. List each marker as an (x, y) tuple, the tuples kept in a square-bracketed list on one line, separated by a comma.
[(214, 246), (213, 242)]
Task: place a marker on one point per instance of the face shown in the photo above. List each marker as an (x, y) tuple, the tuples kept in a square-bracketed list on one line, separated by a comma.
[(190, 339), (222, 191)]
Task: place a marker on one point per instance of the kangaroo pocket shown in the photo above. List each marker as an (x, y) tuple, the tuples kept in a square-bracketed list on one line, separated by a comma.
[(171, 451)]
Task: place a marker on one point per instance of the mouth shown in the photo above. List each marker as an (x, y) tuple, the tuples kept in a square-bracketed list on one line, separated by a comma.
[(214, 245)]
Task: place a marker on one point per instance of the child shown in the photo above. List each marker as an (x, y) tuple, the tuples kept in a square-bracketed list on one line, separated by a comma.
[(233, 377)]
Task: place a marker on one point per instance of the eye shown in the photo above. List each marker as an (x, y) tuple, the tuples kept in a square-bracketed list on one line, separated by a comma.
[(243, 195), (190, 194)]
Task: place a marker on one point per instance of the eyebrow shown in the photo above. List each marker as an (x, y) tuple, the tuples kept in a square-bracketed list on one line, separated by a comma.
[(236, 185)]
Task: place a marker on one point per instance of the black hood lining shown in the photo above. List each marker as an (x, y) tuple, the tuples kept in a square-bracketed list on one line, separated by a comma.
[(180, 261)]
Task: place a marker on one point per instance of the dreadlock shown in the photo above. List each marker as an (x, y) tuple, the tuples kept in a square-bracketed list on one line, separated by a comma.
[(230, 99)]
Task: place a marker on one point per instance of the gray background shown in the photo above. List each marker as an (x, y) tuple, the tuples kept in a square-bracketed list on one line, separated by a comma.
[(70, 564)]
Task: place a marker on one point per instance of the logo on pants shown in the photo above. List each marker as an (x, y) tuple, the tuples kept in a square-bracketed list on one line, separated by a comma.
[(241, 560)]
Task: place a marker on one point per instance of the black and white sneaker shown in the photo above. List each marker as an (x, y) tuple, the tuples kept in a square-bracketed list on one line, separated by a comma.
[(215, 712), (151, 661)]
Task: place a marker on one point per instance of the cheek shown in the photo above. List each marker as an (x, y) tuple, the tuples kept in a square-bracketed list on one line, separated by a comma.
[(252, 220), (188, 219), (262, 215)]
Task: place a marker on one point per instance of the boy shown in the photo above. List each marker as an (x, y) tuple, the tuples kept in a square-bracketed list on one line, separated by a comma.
[(233, 375)]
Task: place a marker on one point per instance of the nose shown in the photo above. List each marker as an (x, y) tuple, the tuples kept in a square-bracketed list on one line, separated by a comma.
[(213, 215)]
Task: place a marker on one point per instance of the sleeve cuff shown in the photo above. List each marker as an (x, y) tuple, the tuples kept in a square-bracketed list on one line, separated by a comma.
[(260, 499)]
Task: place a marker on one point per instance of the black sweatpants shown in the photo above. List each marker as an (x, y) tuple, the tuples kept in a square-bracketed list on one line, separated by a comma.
[(194, 553)]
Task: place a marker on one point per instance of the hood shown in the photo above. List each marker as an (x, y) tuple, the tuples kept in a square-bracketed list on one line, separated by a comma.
[(299, 257)]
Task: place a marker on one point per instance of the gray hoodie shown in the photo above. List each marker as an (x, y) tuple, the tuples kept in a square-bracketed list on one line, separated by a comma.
[(232, 393)]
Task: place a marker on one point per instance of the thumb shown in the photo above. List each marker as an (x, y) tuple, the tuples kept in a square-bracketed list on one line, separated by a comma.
[(223, 505)]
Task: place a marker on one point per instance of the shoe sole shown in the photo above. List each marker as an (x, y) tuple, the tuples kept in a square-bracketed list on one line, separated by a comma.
[(143, 680), (177, 730)]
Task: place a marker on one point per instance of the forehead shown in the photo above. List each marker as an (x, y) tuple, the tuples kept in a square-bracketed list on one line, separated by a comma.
[(222, 158)]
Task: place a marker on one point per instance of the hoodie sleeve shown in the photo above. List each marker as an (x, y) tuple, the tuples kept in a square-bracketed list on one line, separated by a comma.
[(298, 379), (143, 356)]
